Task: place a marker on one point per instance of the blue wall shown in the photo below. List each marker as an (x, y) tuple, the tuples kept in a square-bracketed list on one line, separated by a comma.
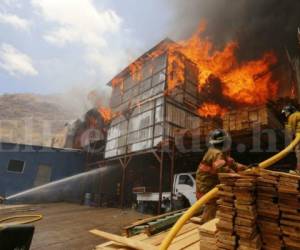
[(63, 163)]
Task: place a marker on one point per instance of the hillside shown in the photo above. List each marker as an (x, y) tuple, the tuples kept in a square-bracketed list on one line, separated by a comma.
[(33, 119)]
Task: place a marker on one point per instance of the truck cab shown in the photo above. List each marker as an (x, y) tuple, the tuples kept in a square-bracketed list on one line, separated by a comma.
[(184, 194), (184, 189)]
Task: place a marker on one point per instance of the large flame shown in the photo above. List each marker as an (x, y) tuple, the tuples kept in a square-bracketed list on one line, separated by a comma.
[(106, 114), (212, 109), (245, 83), (248, 83)]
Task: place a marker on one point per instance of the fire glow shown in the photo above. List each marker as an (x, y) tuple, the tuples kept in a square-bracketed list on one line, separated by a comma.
[(212, 109), (106, 114), (247, 83)]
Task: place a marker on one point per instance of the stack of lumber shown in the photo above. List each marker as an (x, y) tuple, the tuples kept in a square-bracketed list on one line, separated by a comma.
[(289, 205), (246, 214), (187, 238), (206, 126), (208, 240), (244, 119), (270, 200), (226, 238), (268, 210)]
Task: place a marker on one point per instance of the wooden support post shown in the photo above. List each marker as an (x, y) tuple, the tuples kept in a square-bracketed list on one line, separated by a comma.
[(160, 159), (123, 181), (172, 171), (124, 165), (100, 189), (160, 181)]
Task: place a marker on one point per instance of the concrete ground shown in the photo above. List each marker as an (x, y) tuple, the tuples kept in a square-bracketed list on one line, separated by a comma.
[(65, 226)]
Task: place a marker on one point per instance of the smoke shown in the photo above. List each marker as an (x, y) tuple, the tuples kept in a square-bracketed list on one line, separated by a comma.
[(257, 26), (79, 99)]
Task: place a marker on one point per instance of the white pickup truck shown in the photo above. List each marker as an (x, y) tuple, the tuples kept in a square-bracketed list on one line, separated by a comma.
[(184, 194)]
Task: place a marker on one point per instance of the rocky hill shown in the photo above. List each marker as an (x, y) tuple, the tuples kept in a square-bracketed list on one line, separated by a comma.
[(33, 119)]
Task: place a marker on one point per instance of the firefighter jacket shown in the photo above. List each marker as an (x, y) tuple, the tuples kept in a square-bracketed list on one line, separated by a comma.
[(293, 124), (214, 161)]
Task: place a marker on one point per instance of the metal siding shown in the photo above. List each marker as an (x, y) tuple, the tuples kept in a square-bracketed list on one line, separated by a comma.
[(63, 163)]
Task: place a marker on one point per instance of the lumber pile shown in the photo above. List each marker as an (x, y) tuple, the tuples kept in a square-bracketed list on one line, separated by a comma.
[(259, 211), (226, 237), (245, 119), (268, 210), (187, 238), (246, 214), (237, 228), (206, 126), (289, 205), (207, 231)]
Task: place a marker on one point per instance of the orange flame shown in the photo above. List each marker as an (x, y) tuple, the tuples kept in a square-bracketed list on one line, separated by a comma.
[(106, 114), (247, 83), (211, 109), (135, 70)]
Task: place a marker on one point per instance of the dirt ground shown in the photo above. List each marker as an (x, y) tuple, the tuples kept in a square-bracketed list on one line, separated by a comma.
[(65, 226)]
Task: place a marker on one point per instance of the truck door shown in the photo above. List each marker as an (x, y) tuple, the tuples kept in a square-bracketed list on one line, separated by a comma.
[(185, 185)]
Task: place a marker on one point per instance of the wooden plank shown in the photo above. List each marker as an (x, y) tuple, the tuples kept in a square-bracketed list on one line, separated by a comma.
[(196, 220), (136, 244), (158, 238), (210, 226), (185, 241), (194, 246), (141, 237)]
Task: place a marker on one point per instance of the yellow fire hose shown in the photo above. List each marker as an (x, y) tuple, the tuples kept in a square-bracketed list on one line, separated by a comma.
[(214, 192), (20, 219)]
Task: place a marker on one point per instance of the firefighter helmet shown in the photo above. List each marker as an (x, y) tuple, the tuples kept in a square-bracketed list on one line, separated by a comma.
[(288, 110), (219, 138)]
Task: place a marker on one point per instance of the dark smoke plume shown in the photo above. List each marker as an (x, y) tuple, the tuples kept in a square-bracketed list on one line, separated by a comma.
[(257, 25)]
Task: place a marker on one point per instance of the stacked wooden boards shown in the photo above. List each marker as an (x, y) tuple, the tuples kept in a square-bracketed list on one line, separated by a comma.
[(289, 205), (187, 238), (226, 238), (237, 228), (255, 211), (278, 202), (245, 225), (268, 210), (208, 239), (244, 119), (259, 211)]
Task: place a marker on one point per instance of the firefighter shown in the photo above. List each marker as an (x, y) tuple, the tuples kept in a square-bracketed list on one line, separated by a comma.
[(292, 116), (216, 160)]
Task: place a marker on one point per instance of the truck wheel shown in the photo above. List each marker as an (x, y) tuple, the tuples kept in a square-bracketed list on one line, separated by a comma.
[(182, 202)]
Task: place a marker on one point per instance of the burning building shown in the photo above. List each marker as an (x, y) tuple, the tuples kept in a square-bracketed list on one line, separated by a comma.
[(149, 113), (187, 86)]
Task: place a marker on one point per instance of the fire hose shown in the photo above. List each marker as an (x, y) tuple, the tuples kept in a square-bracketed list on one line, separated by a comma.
[(20, 219), (214, 192)]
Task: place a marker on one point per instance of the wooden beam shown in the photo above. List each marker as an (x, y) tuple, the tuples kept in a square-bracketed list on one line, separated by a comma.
[(156, 156), (135, 244), (161, 165)]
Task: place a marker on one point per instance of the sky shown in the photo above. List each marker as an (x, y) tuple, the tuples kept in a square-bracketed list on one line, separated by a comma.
[(50, 46)]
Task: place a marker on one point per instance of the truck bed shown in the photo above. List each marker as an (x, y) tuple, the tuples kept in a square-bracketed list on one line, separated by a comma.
[(150, 196)]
